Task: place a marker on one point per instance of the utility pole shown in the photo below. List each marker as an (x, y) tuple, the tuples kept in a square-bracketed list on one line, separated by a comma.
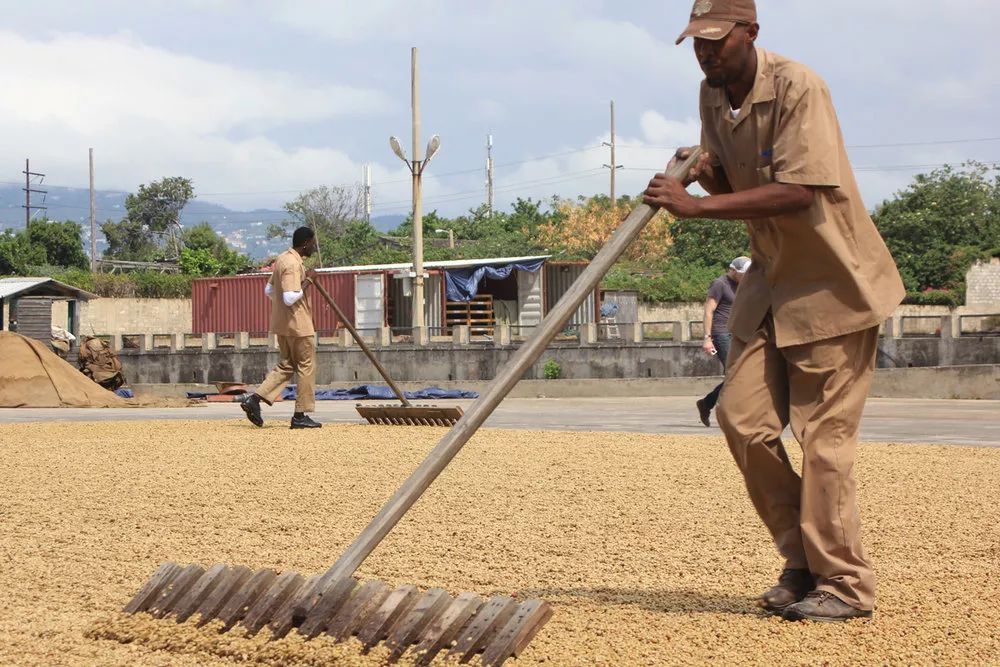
[(613, 166), (367, 175), (416, 166), (93, 218), (28, 190), (489, 174)]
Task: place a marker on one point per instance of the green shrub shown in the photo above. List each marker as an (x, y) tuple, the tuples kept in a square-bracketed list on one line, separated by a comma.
[(141, 284), (552, 370), (936, 297)]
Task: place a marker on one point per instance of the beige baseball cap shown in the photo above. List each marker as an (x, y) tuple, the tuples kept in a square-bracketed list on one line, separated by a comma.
[(714, 19)]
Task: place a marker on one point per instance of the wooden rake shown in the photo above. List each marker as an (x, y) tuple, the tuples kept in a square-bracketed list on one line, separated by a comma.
[(415, 623), (406, 414)]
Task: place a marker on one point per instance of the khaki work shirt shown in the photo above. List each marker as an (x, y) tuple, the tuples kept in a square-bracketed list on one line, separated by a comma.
[(824, 271), (288, 275)]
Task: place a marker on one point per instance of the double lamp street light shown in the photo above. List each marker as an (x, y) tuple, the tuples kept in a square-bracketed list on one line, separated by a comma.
[(416, 166)]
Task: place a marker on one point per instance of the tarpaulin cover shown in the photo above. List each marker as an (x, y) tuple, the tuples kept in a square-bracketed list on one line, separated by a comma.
[(463, 284), (125, 393), (367, 391), (378, 392), (32, 376)]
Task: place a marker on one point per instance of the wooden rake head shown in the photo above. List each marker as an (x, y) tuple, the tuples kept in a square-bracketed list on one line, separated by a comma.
[(410, 415), (411, 622)]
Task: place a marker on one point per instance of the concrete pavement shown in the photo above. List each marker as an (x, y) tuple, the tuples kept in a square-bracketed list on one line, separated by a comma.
[(885, 420)]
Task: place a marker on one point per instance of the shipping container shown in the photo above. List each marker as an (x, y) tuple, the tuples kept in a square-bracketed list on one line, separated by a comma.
[(232, 304)]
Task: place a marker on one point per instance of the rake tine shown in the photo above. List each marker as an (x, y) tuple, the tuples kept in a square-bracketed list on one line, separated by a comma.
[(198, 593), (152, 588), (346, 621), (177, 589), (244, 598), (396, 606), (426, 610), (216, 601), (289, 614), (267, 605), (491, 618), (331, 600)]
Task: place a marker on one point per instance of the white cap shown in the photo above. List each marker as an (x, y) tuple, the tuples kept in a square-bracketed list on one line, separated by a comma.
[(740, 264)]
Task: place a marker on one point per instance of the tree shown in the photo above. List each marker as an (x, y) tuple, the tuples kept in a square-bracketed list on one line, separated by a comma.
[(158, 205), (128, 240), (940, 224), (151, 227), (584, 226), (328, 210), (203, 237), (206, 253), (708, 242), (62, 242), (17, 253)]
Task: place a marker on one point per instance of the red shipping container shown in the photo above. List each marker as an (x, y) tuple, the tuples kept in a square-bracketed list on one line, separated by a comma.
[(232, 304)]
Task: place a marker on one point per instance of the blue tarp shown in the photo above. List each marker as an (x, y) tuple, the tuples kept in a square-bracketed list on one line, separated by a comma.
[(378, 392), (367, 391), (125, 393), (463, 284)]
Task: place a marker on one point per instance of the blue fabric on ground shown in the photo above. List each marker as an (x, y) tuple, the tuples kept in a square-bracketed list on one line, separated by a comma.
[(463, 284), (125, 393), (380, 393)]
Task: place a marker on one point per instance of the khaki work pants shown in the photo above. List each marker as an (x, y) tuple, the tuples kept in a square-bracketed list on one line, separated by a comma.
[(298, 357), (820, 388)]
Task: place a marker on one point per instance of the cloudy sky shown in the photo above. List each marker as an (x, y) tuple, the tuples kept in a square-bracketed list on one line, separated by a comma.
[(257, 100)]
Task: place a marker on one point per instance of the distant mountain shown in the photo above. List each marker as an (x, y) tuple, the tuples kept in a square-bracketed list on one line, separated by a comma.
[(244, 230)]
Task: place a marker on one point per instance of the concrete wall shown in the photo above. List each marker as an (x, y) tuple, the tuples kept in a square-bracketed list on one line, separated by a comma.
[(983, 283), (449, 362), (956, 382), (173, 316), (127, 316)]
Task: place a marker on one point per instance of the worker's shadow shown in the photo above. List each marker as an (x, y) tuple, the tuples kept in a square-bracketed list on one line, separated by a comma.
[(666, 601)]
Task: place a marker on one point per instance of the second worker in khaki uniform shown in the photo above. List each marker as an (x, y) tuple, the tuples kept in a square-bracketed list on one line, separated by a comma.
[(806, 317), (292, 323)]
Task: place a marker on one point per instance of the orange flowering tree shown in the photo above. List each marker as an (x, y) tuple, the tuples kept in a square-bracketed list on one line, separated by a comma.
[(582, 227)]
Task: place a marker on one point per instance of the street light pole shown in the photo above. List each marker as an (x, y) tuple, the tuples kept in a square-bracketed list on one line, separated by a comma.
[(418, 223), (416, 167)]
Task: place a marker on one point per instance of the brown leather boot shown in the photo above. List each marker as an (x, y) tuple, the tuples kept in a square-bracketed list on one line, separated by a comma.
[(792, 586), (824, 607)]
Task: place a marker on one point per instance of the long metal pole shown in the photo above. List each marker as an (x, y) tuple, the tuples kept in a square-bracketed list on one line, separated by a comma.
[(93, 218), (509, 375), (418, 221)]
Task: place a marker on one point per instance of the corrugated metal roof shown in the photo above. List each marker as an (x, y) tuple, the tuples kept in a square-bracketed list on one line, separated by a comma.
[(43, 286)]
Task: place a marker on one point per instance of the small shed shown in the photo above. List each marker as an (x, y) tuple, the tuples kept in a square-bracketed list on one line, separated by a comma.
[(27, 306)]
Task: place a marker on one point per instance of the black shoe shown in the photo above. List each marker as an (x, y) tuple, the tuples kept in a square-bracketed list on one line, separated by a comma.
[(824, 607), (251, 406), (704, 412), (304, 422)]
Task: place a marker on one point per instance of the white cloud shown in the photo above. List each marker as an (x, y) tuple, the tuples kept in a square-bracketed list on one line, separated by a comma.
[(148, 112)]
